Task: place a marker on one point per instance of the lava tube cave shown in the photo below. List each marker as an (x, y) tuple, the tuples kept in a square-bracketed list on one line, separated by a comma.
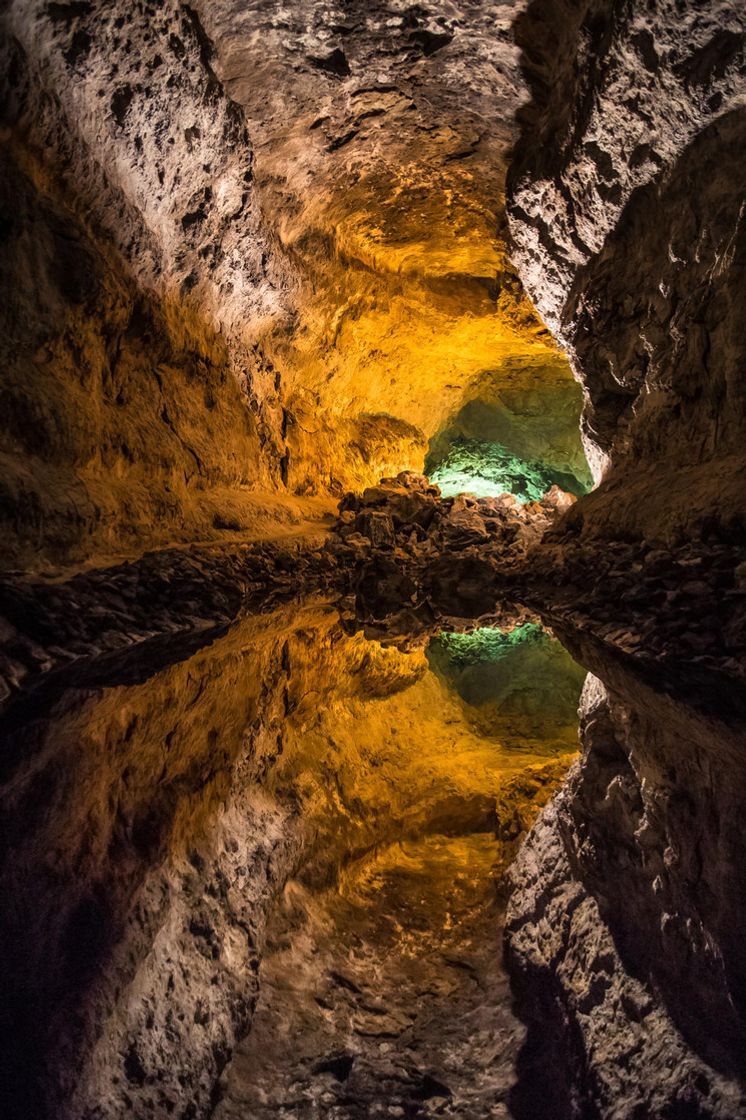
[(373, 590)]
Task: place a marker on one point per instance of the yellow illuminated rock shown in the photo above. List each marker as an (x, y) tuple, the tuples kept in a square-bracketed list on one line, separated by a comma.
[(386, 191)]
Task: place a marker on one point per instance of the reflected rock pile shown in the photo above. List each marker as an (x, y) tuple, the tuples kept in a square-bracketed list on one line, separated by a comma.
[(420, 558)]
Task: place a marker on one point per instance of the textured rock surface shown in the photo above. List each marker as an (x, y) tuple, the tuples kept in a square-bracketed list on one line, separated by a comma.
[(622, 909), (385, 994), (533, 420), (262, 265), (412, 558), (626, 213), (254, 253), (137, 406), (142, 853), (382, 134), (626, 204), (384, 990)]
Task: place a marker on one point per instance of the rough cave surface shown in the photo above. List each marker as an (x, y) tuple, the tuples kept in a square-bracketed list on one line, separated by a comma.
[(292, 818), (242, 274)]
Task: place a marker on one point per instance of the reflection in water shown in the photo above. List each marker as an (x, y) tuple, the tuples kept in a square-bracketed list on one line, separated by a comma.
[(385, 991), (146, 831), (625, 925), (386, 994), (519, 685), (312, 834)]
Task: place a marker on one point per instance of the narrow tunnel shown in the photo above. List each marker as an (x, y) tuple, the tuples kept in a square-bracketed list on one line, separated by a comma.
[(373, 591)]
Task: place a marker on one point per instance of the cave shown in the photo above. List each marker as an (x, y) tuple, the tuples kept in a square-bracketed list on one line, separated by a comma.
[(373, 590)]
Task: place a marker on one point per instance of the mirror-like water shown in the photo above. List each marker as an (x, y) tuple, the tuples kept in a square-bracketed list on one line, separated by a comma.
[(384, 993), (293, 815), (271, 878)]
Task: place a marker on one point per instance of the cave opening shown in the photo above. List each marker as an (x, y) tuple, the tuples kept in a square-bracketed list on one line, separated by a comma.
[(519, 434)]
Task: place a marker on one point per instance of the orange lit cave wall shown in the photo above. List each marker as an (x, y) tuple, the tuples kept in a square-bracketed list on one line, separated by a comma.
[(238, 282)]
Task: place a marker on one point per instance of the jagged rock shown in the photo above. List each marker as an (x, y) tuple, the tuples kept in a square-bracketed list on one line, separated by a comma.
[(629, 155), (603, 920), (451, 555), (376, 526)]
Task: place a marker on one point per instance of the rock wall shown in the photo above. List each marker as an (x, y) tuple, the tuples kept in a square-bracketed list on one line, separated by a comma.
[(138, 406), (382, 134), (625, 205), (623, 918), (625, 202), (143, 854)]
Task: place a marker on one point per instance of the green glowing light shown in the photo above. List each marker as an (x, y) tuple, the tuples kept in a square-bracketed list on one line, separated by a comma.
[(520, 686), (488, 644), (486, 469)]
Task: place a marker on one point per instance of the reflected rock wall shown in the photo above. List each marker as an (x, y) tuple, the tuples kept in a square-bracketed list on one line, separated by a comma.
[(623, 927), (147, 829)]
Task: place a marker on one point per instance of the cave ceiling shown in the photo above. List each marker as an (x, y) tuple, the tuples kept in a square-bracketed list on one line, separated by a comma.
[(381, 140)]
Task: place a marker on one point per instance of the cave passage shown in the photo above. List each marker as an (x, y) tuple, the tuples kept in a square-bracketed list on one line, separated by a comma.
[(520, 436), (489, 469), (367, 368)]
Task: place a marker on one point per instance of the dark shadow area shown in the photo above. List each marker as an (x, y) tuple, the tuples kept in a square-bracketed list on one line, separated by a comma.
[(646, 836)]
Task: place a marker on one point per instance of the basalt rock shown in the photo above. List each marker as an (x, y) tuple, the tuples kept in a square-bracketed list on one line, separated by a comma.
[(251, 256), (255, 257), (138, 407), (629, 159), (408, 554), (625, 211)]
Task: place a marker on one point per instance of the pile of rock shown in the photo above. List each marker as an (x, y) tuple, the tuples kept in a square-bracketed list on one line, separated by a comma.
[(409, 553), (408, 512), (409, 558)]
